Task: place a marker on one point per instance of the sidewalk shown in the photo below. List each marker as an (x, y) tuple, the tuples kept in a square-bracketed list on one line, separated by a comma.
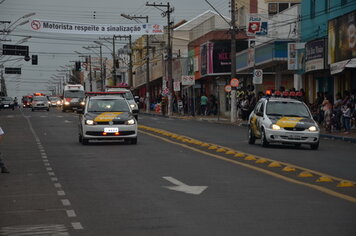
[(340, 135)]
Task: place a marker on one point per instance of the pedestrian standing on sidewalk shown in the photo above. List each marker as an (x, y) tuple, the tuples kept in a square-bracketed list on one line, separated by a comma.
[(2, 165), (327, 108), (203, 104), (346, 116)]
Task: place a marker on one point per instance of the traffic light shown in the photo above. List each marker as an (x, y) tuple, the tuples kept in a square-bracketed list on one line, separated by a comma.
[(34, 60), (77, 66)]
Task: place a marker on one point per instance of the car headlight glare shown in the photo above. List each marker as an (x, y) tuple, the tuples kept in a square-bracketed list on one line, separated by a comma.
[(131, 122), (66, 103), (58, 102), (82, 103), (89, 122), (132, 106), (276, 127), (312, 128)]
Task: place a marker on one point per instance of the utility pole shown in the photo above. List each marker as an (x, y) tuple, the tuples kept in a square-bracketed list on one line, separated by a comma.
[(101, 64), (114, 56), (169, 52), (90, 76), (130, 63), (113, 60), (147, 60), (233, 60)]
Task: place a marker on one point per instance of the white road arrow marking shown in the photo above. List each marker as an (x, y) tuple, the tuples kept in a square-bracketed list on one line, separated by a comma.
[(182, 187)]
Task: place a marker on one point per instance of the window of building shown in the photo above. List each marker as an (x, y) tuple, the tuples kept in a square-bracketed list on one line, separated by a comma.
[(272, 8), (282, 6), (343, 2), (312, 8), (276, 7)]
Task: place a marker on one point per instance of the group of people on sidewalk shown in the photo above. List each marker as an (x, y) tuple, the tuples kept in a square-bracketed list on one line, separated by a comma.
[(2, 165), (335, 115)]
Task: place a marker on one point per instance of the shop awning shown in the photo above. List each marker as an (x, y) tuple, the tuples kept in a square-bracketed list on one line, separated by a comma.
[(339, 67)]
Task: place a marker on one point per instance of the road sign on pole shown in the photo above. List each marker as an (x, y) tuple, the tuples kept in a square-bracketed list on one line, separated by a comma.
[(257, 76), (228, 88), (234, 82)]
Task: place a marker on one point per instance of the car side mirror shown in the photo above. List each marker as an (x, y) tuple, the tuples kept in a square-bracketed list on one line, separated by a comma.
[(137, 98)]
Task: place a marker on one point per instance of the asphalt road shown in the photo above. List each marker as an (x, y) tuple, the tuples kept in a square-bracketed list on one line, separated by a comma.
[(60, 187)]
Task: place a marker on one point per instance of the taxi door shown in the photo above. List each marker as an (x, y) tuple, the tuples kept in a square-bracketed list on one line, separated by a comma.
[(256, 119)]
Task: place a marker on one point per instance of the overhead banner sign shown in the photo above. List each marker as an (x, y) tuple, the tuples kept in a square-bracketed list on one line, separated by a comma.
[(47, 26)]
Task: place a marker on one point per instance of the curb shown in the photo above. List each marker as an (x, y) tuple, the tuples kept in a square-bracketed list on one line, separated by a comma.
[(328, 136), (335, 137)]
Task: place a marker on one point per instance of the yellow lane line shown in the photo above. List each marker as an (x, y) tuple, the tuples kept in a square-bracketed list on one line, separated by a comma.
[(268, 159), (316, 187)]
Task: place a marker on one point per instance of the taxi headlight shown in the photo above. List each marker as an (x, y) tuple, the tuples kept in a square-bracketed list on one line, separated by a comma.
[(130, 122), (66, 103), (89, 122), (133, 106), (58, 102), (312, 129), (275, 127), (82, 103)]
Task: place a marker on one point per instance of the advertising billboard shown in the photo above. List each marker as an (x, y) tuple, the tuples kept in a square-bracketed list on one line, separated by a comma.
[(342, 38)]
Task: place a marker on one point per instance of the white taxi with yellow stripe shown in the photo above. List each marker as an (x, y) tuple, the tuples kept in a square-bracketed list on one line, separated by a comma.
[(107, 117), (283, 120)]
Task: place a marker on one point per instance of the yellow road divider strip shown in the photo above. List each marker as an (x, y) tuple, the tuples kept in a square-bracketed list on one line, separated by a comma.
[(259, 169), (244, 154)]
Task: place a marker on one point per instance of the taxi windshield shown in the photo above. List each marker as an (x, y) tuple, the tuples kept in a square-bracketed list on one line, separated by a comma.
[(74, 94), (54, 99), (291, 109), (39, 98), (108, 105)]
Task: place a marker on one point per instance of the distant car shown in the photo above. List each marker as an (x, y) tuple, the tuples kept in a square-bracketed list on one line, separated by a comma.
[(7, 103), (55, 101), (26, 101), (282, 120), (107, 117), (40, 103)]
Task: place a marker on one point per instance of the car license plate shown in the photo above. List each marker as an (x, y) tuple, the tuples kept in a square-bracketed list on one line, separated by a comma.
[(6, 105), (294, 136), (111, 130)]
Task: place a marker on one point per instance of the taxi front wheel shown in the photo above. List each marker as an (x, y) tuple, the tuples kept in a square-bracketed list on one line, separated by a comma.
[(264, 141), (251, 137), (314, 146)]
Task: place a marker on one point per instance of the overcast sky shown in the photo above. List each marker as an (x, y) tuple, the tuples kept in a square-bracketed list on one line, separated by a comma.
[(54, 53)]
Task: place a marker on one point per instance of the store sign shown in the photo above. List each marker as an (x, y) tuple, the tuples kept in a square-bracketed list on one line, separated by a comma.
[(176, 86), (292, 57), (257, 25), (314, 58), (188, 80), (48, 26)]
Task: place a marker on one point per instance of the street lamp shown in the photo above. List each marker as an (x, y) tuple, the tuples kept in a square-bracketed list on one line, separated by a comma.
[(23, 40), (136, 18), (23, 17)]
